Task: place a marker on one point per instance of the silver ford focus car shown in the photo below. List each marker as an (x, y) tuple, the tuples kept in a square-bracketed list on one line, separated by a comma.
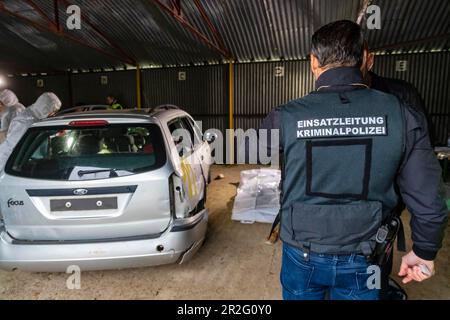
[(105, 190)]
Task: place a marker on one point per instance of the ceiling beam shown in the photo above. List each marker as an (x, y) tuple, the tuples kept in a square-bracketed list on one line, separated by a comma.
[(412, 42), (56, 14), (362, 12), (176, 4), (192, 29), (41, 12), (211, 26), (105, 37), (61, 34)]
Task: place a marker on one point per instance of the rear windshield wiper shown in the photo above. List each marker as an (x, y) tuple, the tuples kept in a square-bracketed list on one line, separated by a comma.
[(112, 172)]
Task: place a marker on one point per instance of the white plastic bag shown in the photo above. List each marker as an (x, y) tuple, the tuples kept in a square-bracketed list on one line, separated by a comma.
[(258, 196)]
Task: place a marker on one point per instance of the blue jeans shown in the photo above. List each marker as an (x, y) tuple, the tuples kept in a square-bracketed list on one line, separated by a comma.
[(337, 277)]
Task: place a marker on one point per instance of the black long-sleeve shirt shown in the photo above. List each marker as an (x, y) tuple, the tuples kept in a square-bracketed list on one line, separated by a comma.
[(406, 93), (419, 176)]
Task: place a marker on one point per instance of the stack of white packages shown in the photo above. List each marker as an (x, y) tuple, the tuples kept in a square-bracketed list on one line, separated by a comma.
[(258, 196)]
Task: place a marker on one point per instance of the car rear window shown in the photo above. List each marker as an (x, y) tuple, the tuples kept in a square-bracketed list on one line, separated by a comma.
[(88, 153)]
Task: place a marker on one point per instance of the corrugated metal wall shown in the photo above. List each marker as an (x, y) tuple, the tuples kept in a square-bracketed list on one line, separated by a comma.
[(88, 89), (27, 90), (204, 93), (257, 88), (429, 73)]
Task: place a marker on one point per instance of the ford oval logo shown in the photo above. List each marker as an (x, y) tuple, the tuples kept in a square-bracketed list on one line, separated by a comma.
[(80, 192)]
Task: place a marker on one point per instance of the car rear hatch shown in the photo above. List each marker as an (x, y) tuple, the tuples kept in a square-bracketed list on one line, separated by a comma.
[(87, 180)]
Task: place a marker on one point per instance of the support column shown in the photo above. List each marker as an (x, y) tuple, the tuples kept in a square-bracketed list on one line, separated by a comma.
[(231, 111), (138, 88)]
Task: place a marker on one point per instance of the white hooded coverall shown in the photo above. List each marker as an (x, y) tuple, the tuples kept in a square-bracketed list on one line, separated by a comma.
[(13, 107), (45, 105)]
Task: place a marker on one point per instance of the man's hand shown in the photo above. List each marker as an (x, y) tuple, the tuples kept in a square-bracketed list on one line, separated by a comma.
[(410, 268)]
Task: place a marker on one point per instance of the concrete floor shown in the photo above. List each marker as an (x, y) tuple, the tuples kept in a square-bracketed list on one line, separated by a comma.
[(234, 263)]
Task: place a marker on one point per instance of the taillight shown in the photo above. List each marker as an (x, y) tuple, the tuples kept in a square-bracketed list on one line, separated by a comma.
[(178, 206), (88, 123), (172, 197)]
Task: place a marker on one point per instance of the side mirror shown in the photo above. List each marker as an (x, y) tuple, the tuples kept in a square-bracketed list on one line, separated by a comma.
[(210, 137)]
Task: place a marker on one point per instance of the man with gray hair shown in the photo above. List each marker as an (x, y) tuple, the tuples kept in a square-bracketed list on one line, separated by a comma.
[(47, 104)]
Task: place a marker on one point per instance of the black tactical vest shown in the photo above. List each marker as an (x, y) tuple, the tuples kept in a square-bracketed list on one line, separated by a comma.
[(342, 152)]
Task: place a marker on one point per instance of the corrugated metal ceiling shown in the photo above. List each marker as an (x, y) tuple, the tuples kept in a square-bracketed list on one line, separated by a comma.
[(405, 22), (251, 30)]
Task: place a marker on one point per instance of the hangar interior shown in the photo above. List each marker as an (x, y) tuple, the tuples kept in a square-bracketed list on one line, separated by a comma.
[(227, 63)]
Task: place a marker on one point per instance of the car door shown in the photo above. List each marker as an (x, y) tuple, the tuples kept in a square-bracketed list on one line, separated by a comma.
[(203, 150), (190, 166), (197, 156)]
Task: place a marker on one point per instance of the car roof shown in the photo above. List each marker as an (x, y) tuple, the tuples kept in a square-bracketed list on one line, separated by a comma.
[(114, 116)]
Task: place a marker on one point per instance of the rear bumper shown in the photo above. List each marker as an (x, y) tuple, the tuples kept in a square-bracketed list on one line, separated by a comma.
[(180, 242)]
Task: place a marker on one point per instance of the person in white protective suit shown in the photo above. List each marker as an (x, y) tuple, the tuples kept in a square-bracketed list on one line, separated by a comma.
[(9, 108), (47, 104)]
